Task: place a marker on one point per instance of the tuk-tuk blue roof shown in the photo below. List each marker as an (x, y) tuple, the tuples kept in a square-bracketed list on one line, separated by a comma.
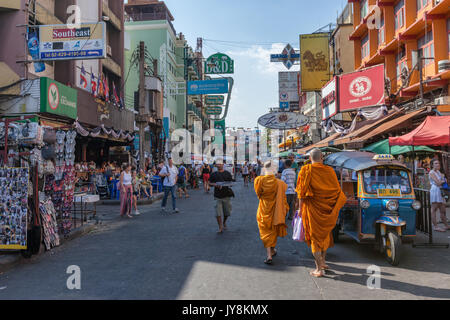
[(352, 160)]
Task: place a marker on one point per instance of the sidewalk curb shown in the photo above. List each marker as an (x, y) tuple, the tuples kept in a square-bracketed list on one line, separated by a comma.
[(156, 198), (10, 260)]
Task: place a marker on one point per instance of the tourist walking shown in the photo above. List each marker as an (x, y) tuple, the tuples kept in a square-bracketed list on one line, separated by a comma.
[(245, 173), (222, 196), (289, 177), (182, 181), (136, 191), (320, 200), (437, 179), (169, 173), (272, 209), (126, 191), (206, 174)]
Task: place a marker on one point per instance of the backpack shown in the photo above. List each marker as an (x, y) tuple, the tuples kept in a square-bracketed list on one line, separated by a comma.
[(181, 172)]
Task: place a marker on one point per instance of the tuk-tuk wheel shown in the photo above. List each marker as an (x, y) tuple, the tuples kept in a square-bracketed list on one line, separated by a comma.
[(392, 249)]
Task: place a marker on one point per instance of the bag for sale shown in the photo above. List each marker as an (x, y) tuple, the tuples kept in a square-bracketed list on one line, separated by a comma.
[(49, 136)]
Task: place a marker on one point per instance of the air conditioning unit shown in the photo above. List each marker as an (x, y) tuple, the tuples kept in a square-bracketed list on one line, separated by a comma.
[(109, 51), (442, 101)]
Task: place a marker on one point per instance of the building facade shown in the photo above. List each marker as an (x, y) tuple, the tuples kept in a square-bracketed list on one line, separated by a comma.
[(400, 33), (21, 91), (151, 22)]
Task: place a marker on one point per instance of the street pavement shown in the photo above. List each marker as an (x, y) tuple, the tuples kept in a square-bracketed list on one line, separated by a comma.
[(180, 256)]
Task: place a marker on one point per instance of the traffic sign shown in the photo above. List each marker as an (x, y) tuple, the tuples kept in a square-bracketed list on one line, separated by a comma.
[(214, 100), (284, 105), (288, 57)]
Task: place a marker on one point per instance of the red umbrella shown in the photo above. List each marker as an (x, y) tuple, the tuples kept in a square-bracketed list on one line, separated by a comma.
[(434, 131)]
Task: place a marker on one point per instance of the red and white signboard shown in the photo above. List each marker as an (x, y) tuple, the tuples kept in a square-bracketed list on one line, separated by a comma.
[(329, 99), (361, 89)]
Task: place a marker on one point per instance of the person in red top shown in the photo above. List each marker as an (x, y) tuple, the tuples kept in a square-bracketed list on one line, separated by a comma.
[(206, 172)]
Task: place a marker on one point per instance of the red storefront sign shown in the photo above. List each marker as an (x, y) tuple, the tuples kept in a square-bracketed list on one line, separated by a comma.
[(361, 89)]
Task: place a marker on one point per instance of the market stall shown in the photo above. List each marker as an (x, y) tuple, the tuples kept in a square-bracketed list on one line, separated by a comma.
[(36, 184)]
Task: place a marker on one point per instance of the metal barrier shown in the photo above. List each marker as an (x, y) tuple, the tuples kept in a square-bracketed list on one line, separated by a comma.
[(424, 222)]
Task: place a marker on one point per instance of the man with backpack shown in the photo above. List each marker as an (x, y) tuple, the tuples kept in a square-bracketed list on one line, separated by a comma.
[(169, 173), (181, 181)]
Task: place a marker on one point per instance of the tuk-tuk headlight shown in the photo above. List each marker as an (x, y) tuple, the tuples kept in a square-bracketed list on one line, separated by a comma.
[(392, 205), (416, 205), (365, 204)]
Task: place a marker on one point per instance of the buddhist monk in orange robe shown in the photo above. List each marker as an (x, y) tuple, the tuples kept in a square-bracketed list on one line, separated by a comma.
[(321, 199), (272, 210)]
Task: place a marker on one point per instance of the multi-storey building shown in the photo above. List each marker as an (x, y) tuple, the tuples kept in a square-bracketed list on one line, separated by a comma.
[(150, 21), (399, 33), (20, 90)]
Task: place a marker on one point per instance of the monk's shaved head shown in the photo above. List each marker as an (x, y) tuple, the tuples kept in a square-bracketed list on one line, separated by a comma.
[(316, 155)]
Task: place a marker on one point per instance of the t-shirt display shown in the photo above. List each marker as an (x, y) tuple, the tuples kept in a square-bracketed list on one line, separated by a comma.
[(14, 208)]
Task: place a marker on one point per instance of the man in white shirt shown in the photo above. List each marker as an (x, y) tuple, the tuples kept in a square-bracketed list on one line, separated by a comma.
[(289, 177), (169, 173)]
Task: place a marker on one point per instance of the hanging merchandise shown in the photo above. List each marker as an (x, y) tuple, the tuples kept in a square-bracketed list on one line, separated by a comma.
[(49, 224), (14, 208)]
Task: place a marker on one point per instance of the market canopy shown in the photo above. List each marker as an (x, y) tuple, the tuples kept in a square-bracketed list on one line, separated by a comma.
[(382, 147), (434, 131)]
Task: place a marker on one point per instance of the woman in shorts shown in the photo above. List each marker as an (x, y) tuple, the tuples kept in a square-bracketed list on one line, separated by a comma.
[(206, 173)]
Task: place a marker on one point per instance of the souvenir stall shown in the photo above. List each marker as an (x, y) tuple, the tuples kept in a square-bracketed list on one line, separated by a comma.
[(36, 184)]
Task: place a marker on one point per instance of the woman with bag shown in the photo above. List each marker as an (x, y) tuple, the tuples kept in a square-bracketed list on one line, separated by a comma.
[(126, 191), (437, 180), (272, 210)]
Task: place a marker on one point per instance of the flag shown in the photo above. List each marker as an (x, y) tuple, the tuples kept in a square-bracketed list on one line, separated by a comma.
[(106, 88), (83, 80), (122, 104), (93, 84), (100, 86), (116, 97)]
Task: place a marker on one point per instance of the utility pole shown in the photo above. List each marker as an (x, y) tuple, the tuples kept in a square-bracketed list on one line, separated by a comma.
[(141, 117)]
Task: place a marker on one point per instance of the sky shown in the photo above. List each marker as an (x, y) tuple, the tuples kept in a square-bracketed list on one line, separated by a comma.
[(256, 29)]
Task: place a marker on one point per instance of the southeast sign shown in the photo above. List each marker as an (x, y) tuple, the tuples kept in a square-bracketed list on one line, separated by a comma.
[(59, 42), (219, 63), (283, 120)]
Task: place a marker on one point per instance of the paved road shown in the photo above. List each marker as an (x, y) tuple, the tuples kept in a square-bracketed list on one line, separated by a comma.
[(157, 256)]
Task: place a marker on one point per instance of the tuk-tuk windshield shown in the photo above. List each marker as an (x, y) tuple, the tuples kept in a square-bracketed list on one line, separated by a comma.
[(386, 178)]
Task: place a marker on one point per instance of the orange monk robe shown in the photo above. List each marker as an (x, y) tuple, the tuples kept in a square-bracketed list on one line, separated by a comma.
[(322, 199), (272, 209)]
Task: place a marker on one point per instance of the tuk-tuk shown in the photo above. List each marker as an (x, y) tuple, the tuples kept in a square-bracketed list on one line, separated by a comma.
[(381, 205)]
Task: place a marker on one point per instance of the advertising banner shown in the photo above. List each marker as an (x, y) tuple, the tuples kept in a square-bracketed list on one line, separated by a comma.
[(283, 120), (58, 99), (288, 86), (58, 42), (329, 99), (361, 89), (219, 63), (216, 86), (315, 61)]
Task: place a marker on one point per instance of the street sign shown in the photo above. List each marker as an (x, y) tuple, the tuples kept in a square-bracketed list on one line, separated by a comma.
[(284, 105), (214, 100), (288, 57), (214, 110), (216, 86), (219, 63)]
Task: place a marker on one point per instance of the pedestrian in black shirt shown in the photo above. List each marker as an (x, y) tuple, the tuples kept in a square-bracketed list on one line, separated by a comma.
[(222, 195)]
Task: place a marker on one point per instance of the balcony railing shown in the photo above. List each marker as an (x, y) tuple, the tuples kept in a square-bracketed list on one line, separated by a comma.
[(140, 16)]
